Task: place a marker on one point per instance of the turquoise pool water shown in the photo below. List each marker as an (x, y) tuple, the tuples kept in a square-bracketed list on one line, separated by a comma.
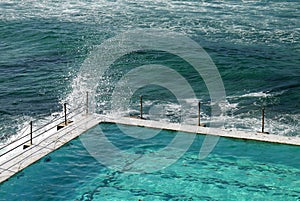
[(235, 170)]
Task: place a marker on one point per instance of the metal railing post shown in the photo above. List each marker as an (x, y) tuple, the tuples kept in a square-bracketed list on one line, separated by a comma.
[(31, 133), (199, 113), (87, 103), (199, 116), (25, 146), (141, 107), (65, 110), (263, 120)]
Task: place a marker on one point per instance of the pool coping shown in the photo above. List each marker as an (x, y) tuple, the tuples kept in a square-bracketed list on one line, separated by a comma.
[(245, 135), (47, 143)]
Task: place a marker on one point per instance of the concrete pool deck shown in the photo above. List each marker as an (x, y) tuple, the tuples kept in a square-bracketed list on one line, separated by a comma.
[(20, 158)]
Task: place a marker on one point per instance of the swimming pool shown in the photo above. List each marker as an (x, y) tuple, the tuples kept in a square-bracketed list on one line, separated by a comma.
[(235, 170)]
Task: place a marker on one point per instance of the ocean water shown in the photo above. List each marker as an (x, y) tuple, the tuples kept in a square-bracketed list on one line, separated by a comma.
[(235, 170), (254, 44)]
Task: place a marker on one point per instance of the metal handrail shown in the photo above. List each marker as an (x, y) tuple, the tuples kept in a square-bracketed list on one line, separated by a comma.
[(52, 121), (53, 126), (11, 134), (33, 138), (40, 128)]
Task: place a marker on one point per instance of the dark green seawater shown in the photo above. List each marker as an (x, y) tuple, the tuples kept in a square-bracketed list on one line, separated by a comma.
[(254, 44)]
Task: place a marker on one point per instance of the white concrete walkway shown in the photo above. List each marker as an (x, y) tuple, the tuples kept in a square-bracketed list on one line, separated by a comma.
[(20, 158), (204, 130)]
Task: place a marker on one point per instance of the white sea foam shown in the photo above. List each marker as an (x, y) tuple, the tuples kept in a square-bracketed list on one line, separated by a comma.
[(256, 94), (39, 125), (191, 16)]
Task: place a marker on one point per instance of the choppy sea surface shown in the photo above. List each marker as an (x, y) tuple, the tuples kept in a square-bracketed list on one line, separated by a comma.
[(254, 44)]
